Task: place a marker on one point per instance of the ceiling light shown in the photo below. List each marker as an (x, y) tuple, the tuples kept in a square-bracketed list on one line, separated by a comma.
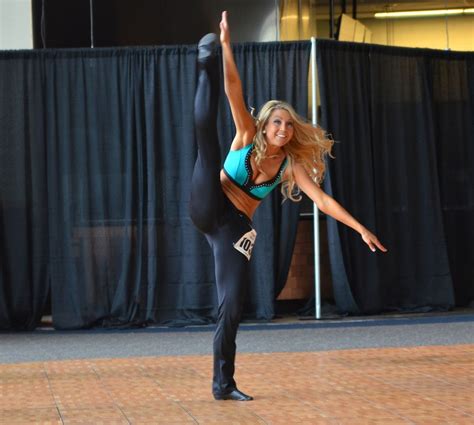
[(422, 13), (304, 17)]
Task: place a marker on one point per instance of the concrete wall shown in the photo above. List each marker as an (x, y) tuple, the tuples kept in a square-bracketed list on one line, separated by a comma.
[(252, 20), (15, 24), (425, 32)]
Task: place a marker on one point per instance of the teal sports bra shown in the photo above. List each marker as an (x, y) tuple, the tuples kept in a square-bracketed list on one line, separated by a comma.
[(238, 169)]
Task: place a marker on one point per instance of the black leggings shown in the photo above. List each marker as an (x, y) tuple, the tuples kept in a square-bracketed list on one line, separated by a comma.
[(223, 225)]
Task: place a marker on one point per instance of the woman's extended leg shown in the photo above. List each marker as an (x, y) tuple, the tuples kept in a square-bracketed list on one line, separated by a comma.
[(206, 201)]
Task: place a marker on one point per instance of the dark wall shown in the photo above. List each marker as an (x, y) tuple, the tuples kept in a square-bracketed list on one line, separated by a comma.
[(149, 22), (119, 22), (59, 23)]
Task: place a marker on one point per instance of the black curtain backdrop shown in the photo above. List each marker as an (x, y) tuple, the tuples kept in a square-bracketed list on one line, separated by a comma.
[(404, 122), (96, 155)]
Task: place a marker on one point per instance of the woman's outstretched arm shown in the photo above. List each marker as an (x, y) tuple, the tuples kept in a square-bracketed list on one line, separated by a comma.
[(244, 123), (331, 207)]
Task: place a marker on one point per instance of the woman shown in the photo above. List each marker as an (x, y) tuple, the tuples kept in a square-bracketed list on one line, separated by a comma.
[(277, 147)]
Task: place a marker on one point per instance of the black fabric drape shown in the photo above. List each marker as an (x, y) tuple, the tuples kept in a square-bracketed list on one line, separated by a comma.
[(403, 120), (24, 224), (96, 154)]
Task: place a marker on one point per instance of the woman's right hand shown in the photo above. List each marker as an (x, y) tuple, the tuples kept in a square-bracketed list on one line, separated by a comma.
[(371, 240), (224, 26)]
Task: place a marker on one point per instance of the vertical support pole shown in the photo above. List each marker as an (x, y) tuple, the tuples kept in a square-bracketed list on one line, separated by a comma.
[(300, 15), (331, 19), (43, 24), (343, 6), (317, 280), (91, 19), (277, 20)]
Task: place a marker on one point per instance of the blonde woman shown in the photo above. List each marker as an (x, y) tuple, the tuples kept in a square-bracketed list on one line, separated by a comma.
[(277, 147)]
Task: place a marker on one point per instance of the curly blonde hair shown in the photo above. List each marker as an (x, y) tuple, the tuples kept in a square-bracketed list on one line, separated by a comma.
[(308, 147)]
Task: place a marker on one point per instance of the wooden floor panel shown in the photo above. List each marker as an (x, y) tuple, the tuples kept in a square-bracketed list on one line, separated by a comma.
[(418, 385)]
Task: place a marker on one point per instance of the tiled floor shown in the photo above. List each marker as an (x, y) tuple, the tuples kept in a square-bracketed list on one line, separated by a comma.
[(422, 385)]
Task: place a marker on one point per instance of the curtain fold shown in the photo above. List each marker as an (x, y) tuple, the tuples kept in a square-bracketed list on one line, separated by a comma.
[(96, 156), (403, 122), (24, 264)]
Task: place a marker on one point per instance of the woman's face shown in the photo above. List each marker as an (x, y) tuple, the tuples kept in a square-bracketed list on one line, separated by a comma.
[(279, 128)]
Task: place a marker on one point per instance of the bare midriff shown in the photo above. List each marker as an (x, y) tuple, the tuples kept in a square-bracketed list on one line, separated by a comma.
[(238, 197)]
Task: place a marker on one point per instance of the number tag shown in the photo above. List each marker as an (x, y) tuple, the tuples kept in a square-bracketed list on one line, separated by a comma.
[(245, 244)]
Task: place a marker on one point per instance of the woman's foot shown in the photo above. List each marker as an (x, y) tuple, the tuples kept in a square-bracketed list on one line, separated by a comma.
[(207, 47), (234, 395)]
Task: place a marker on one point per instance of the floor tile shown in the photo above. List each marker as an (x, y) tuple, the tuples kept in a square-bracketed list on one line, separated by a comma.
[(410, 385), (24, 415), (96, 416)]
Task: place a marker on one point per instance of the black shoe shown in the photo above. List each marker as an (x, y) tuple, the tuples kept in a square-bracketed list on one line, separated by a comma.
[(207, 48), (234, 395)]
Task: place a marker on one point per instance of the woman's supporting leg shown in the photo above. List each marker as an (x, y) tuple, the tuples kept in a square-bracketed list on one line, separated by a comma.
[(206, 191), (232, 277)]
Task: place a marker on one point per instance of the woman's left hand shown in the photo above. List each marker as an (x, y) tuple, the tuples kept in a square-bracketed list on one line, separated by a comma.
[(224, 26), (371, 240)]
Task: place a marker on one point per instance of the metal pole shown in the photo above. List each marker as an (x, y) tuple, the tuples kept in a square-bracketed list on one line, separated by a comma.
[(91, 18), (43, 24), (331, 18), (317, 280)]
